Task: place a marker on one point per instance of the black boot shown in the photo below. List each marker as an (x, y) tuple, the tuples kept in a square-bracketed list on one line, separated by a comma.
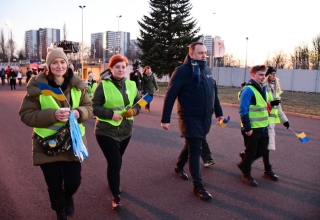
[(61, 215), (69, 205)]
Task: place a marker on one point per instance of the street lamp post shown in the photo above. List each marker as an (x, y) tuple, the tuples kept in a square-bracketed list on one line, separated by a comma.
[(118, 33), (9, 55), (82, 7), (245, 66)]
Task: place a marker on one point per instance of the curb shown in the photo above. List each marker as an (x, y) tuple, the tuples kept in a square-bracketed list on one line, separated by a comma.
[(287, 113)]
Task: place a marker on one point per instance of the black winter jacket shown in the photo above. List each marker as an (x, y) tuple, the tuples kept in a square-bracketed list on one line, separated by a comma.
[(195, 106)]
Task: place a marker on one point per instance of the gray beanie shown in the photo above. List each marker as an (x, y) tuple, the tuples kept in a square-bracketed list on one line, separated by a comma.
[(53, 53)]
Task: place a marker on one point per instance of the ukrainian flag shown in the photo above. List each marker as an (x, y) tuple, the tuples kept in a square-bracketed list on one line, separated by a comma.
[(224, 122), (49, 90), (303, 137), (144, 100)]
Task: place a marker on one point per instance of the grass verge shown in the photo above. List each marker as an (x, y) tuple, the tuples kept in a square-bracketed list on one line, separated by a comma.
[(295, 102)]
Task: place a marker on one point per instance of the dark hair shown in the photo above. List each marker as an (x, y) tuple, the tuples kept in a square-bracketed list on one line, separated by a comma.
[(257, 68), (116, 59), (243, 84), (193, 45)]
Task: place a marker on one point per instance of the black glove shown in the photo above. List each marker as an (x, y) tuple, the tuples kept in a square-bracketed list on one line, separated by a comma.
[(275, 102), (286, 124)]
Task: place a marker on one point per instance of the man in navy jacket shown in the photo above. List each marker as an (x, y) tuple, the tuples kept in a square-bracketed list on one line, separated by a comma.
[(194, 87)]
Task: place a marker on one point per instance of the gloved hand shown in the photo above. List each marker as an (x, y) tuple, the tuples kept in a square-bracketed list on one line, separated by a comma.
[(286, 124), (129, 113), (275, 102)]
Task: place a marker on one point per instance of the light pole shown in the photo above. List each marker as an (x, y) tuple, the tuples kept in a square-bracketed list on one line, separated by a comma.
[(9, 55), (82, 7), (211, 63), (118, 33), (245, 66)]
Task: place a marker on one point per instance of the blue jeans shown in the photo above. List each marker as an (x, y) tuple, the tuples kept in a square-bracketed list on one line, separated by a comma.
[(192, 148)]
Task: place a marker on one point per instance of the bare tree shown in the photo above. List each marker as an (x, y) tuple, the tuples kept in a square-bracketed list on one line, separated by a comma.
[(64, 31), (315, 53), (300, 57), (11, 45), (2, 44), (279, 59), (228, 60)]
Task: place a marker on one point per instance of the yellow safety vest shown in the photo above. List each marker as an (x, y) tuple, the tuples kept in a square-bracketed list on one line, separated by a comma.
[(91, 89), (258, 113), (47, 102), (114, 99), (274, 116)]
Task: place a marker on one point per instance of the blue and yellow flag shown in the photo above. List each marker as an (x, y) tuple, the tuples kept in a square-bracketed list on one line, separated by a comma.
[(144, 100), (49, 90), (224, 122), (303, 137)]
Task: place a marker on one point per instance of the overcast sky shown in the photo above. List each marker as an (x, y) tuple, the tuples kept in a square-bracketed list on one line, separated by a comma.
[(270, 25)]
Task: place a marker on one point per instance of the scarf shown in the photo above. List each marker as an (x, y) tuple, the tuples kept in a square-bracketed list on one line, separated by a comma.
[(197, 65)]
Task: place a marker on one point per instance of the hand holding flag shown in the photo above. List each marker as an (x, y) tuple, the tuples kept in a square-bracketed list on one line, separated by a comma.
[(223, 122)]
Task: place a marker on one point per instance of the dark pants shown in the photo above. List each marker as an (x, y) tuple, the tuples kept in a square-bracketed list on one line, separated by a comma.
[(205, 154), (20, 81), (192, 150), (256, 147), (148, 105), (63, 180), (113, 152), (266, 161)]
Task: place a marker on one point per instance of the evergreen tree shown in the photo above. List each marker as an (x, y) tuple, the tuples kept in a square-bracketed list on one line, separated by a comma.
[(166, 34)]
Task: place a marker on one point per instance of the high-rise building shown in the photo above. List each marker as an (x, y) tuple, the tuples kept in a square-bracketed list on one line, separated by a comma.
[(97, 41), (37, 41), (31, 44), (117, 42), (47, 36), (208, 42)]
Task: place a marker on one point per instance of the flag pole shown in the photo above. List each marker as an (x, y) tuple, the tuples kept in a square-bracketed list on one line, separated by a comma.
[(65, 98)]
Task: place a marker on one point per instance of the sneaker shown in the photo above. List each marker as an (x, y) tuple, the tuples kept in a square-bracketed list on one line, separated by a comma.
[(241, 154), (209, 163), (249, 181), (202, 193), (116, 202), (271, 175), (181, 173)]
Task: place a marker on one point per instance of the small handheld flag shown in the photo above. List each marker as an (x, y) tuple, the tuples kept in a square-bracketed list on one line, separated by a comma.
[(51, 91), (224, 122), (302, 136), (144, 100)]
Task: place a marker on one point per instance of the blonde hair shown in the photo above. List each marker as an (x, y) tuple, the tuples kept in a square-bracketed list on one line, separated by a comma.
[(276, 84)]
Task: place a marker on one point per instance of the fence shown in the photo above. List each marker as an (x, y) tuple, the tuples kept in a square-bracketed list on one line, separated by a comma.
[(291, 79)]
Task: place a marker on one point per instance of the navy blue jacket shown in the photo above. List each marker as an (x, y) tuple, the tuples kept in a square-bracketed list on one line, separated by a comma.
[(195, 106)]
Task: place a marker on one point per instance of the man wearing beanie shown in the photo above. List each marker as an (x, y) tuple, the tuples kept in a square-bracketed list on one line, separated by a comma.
[(60, 167)]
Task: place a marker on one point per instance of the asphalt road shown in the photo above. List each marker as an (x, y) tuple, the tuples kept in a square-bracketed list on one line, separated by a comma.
[(151, 188)]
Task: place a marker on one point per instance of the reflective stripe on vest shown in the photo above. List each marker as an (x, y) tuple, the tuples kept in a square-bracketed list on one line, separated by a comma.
[(47, 102), (258, 114), (91, 89), (274, 116), (114, 99)]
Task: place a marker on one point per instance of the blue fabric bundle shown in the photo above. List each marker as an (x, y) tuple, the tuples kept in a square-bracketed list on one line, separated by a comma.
[(79, 149)]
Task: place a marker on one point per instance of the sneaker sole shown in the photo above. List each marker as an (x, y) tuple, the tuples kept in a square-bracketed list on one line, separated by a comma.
[(270, 178), (202, 198), (250, 184), (208, 165)]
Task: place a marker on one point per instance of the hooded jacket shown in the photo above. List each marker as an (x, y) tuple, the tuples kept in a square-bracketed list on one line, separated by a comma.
[(195, 105), (124, 130), (32, 115)]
